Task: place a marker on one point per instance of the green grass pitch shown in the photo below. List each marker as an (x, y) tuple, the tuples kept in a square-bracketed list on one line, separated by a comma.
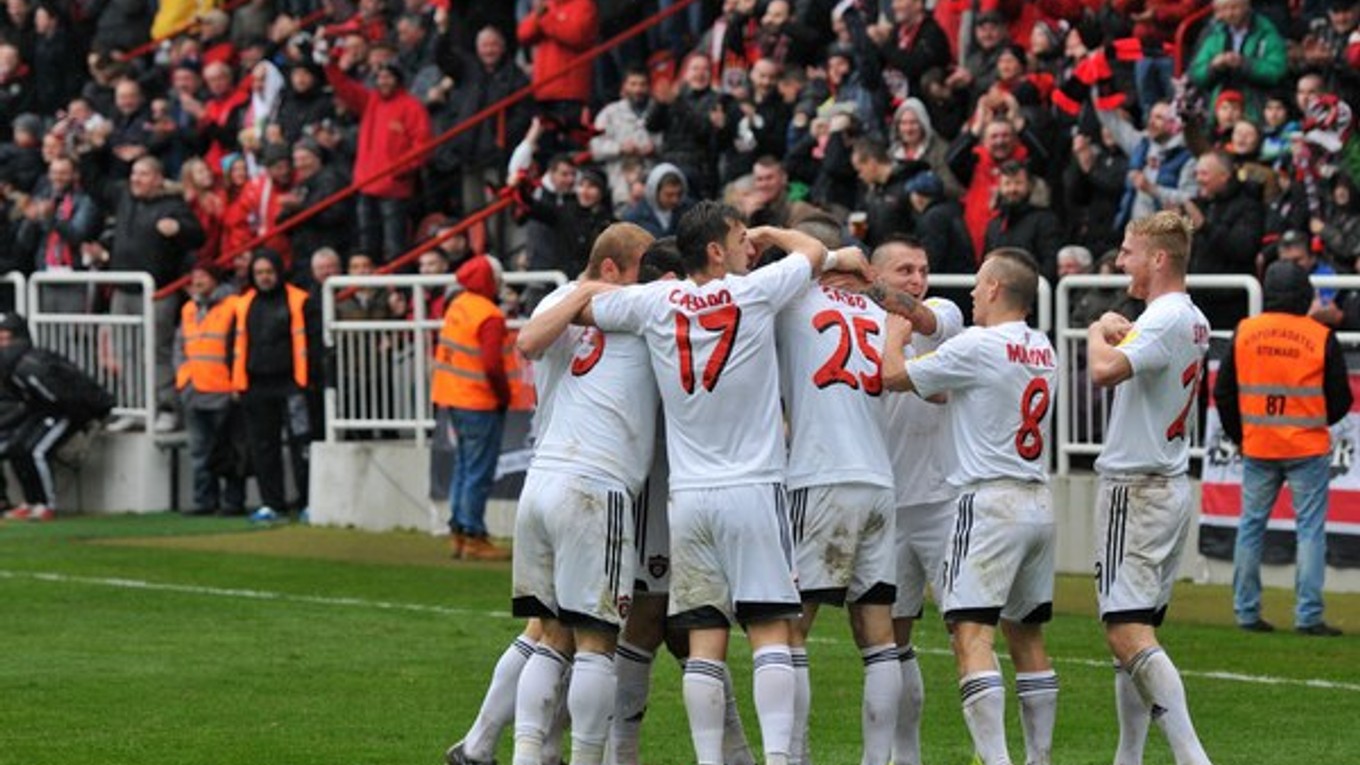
[(158, 639)]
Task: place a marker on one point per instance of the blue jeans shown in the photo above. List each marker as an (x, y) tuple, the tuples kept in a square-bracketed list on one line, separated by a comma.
[(205, 427), (474, 468), (1152, 76), (1261, 480)]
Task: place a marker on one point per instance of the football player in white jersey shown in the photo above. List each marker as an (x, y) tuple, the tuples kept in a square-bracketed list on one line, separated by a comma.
[(645, 628), (1144, 504), (711, 339), (998, 378), (839, 481), (922, 455), (573, 528)]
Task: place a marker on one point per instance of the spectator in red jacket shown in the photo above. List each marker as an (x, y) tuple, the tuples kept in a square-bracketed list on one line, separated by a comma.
[(392, 122), (559, 31)]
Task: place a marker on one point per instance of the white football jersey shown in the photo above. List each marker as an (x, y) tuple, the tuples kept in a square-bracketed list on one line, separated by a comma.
[(920, 446), (830, 354), (713, 353), (1000, 385), (1154, 411), (555, 360), (603, 421)]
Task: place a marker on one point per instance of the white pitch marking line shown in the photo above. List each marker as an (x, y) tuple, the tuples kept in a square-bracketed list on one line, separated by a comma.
[(283, 597)]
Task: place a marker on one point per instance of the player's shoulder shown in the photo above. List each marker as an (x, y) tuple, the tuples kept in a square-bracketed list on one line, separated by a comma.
[(948, 316), (553, 298)]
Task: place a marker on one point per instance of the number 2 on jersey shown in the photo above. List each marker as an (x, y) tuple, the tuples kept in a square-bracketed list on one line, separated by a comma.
[(1190, 380), (833, 372), (1029, 439), (724, 320)]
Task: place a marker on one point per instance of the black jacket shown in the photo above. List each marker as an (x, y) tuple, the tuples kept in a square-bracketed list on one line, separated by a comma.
[(298, 110), (330, 227), (138, 246), (1092, 200), (887, 207), (928, 50), (574, 230), (948, 246), (478, 89), (691, 141), (1034, 229), (1227, 243)]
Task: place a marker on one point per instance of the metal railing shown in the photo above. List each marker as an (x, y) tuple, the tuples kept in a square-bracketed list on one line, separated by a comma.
[(382, 367), (1084, 408), (18, 287), (119, 351)]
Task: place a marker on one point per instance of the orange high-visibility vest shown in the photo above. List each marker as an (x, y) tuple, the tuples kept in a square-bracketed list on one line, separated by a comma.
[(1280, 361), (459, 378), (521, 388), (297, 326), (205, 347)]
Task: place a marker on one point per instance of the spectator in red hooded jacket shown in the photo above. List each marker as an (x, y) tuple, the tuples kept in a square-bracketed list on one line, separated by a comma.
[(392, 122), (559, 31)]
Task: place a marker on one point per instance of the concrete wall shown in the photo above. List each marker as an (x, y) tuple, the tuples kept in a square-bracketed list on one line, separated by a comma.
[(119, 473)]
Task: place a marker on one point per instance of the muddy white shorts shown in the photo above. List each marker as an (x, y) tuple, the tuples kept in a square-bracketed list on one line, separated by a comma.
[(1001, 554), (923, 534), (1141, 525), (731, 556), (843, 538), (573, 555)]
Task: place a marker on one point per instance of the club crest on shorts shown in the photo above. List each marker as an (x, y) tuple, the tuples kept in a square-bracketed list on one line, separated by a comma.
[(625, 605), (658, 565)]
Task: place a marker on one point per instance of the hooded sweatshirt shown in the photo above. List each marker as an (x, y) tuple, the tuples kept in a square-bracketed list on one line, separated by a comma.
[(478, 276), (268, 325), (648, 214)]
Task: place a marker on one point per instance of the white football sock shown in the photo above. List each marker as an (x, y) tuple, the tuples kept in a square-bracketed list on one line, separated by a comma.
[(557, 729), (882, 691), (591, 703), (705, 705), (984, 710), (774, 696), (540, 689), (1038, 694), (802, 705), (1134, 719), (1160, 686), (634, 668), (498, 706), (907, 738)]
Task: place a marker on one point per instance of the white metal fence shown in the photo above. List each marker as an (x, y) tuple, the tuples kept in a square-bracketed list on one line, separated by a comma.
[(382, 368), (1084, 408), (14, 284), (117, 350)]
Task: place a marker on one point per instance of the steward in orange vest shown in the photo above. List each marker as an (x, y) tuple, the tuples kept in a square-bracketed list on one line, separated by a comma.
[(207, 322), (203, 377), (469, 362), (1284, 381), (471, 390)]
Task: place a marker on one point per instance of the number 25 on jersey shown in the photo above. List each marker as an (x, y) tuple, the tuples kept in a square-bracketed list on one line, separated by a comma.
[(834, 371)]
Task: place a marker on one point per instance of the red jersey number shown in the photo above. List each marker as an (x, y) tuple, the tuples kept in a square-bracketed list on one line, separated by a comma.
[(853, 336), (725, 321)]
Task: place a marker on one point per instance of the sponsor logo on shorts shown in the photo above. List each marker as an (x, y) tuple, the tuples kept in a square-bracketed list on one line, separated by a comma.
[(658, 565)]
